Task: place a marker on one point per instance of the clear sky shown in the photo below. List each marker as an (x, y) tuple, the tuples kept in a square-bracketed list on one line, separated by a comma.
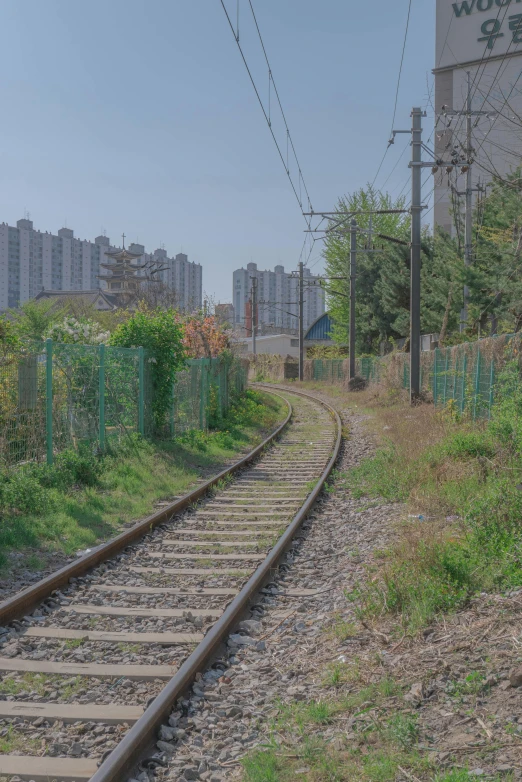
[(138, 116)]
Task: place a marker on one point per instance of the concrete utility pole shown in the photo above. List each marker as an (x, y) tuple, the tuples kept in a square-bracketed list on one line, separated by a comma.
[(253, 300), (469, 187), (415, 270), (301, 321), (353, 277)]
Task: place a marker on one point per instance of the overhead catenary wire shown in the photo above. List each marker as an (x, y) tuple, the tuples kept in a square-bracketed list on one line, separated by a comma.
[(295, 187), (397, 88)]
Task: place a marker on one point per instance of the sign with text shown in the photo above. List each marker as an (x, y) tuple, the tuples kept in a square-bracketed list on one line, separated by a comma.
[(472, 30)]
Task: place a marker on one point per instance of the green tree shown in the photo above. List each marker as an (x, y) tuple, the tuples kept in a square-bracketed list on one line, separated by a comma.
[(374, 319), (161, 334), (33, 319), (495, 278)]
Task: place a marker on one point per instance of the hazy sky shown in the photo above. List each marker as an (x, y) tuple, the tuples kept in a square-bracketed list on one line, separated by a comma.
[(138, 116)]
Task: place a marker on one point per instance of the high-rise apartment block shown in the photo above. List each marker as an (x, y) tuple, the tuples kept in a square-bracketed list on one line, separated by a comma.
[(32, 261), (277, 296)]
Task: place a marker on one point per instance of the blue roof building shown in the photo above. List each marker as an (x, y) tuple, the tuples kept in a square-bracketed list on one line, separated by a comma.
[(321, 330)]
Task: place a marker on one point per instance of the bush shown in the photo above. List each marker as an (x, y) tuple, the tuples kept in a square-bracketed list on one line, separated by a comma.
[(161, 335), (23, 492), (468, 444)]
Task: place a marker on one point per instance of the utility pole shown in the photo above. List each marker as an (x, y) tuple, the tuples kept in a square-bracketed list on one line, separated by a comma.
[(301, 321), (253, 301), (353, 277), (469, 190), (415, 264)]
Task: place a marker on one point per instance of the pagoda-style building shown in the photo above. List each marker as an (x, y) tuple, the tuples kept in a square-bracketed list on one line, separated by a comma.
[(123, 277)]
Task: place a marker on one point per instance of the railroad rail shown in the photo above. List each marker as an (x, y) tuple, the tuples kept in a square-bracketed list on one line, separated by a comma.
[(118, 636)]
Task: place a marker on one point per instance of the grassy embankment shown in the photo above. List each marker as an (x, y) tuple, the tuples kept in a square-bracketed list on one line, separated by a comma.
[(84, 498), (464, 481)]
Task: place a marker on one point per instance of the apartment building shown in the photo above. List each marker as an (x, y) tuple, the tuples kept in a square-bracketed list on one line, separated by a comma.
[(278, 296), (32, 261)]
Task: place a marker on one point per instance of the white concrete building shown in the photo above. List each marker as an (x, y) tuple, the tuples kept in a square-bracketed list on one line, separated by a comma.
[(32, 261), (484, 38), (278, 296), (277, 345)]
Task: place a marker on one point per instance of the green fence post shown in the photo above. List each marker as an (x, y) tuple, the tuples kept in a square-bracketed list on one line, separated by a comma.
[(202, 388), (464, 383), (477, 385), (491, 384), (172, 410), (141, 393), (446, 369), (101, 395), (435, 355), (49, 399)]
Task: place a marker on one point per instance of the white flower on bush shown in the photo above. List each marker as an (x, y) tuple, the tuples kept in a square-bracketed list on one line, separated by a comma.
[(71, 330)]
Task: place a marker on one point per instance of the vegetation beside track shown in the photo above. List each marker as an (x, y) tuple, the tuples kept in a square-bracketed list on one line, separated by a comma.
[(86, 497), (461, 483)]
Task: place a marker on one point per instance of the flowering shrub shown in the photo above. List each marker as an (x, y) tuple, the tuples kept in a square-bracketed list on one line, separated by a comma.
[(71, 331), (203, 337)]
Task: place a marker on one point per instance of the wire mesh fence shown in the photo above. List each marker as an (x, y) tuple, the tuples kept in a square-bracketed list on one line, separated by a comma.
[(60, 396), (464, 376)]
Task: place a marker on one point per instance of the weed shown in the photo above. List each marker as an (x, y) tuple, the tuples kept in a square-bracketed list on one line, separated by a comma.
[(14, 742), (74, 643), (473, 684), (262, 766), (333, 676), (131, 648), (341, 630), (402, 730)]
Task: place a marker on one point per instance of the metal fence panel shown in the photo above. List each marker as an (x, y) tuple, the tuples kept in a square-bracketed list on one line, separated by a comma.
[(59, 396), (464, 376)]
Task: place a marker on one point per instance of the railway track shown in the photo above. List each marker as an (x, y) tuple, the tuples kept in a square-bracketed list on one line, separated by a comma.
[(114, 640)]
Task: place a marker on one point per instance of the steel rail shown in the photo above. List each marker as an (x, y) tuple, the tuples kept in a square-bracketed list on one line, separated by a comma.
[(25, 601), (142, 735)]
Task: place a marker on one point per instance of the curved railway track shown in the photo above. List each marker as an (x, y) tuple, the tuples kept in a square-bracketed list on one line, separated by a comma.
[(116, 638)]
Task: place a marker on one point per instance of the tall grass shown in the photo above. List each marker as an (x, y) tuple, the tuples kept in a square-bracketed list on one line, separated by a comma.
[(464, 481)]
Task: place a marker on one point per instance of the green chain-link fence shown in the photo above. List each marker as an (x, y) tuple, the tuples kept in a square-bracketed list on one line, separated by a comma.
[(58, 396), (462, 375)]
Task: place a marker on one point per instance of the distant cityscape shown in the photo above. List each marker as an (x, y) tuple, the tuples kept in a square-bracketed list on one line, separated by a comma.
[(34, 263), (278, 299), (39, 265)]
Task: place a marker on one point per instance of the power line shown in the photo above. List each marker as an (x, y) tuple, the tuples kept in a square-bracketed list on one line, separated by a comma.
[(267, 114), (397, 89), (271, 79)]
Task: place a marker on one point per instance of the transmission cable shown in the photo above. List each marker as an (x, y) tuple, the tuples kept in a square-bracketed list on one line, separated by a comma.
[(267, 116), (397, 89)]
